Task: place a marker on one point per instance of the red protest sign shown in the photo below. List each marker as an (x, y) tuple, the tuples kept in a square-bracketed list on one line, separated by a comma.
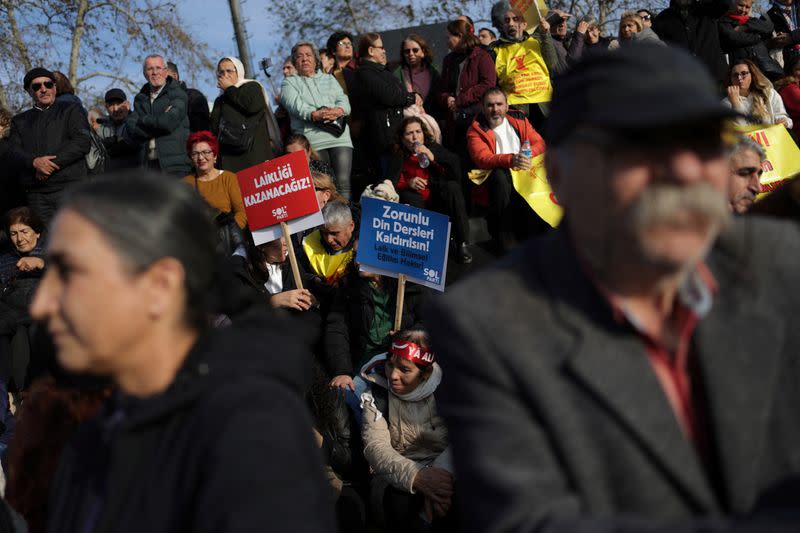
[(278, 191)]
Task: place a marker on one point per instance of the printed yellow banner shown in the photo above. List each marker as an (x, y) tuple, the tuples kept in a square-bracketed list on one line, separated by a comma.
[(533, 186), (522, 73), (783, 155)]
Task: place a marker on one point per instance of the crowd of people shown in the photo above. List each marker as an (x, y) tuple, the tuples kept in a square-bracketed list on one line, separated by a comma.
[(634, 369)]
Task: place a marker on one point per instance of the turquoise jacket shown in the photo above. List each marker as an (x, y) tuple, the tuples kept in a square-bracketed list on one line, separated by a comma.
[(302, 95)]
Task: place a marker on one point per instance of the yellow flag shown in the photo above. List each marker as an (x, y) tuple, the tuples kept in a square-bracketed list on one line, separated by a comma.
[(533, 186)]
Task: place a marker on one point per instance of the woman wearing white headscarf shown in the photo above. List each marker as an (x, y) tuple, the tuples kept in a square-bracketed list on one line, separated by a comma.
[(242, 119)]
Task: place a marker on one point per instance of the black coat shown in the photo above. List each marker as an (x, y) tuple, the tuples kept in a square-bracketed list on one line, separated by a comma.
[(227, 447), (253, 280), (60, 130), (698, 33), (381, 99), (782, 26), (243, 105), (749, 44), (13, 194), (351, 314), (197, 110), (123, 150)]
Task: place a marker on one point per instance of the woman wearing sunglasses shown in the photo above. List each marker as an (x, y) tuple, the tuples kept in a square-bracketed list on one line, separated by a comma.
[(417, 71)]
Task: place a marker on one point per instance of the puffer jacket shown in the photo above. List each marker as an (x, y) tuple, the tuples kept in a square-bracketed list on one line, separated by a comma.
[(401, 437), (481, 142), (749, 44), (164, 119)]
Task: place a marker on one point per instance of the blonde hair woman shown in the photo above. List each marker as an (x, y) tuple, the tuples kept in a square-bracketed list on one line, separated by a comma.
[(751, 93)]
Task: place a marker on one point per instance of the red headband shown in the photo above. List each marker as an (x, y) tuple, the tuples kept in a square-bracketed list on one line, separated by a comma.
[(412, 351)]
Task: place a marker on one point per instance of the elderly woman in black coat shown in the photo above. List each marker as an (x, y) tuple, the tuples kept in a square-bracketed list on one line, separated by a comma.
[(21, 267), (381, 99)]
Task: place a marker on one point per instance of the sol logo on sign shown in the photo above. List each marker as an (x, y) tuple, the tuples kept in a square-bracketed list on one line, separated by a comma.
[(280, 213), (431, 275)]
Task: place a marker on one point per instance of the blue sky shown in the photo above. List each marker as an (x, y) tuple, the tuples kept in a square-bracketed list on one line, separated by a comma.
[(211, 21)]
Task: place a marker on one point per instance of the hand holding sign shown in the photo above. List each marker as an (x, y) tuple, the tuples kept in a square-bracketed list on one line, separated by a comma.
[(297, 299), (280, 200)]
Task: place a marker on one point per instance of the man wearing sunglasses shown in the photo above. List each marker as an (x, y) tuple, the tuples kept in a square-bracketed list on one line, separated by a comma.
[(52, 139)]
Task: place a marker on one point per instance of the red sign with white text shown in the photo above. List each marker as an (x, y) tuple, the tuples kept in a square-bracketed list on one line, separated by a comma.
[(278, 191)]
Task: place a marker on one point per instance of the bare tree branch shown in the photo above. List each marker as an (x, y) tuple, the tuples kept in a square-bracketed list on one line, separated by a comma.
[(77, 35), (110, 75), (22, 48), (105, 36)]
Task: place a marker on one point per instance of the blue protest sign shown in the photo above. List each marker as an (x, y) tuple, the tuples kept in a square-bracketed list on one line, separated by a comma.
[(399, 239)]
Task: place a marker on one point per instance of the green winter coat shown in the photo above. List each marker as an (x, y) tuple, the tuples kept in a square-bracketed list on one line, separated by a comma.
[(164, 119)]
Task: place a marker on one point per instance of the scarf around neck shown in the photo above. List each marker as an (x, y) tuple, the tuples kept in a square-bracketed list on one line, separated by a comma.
[(741, 19)]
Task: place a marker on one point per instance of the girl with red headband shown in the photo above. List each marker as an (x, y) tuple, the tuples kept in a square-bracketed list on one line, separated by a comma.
[(405, 440)]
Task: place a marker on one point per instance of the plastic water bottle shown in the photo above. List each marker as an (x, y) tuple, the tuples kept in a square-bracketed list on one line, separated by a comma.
[(526, 149), (423, 158)]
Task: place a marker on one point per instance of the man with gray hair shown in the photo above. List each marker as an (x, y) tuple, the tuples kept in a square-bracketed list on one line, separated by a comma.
[(524, 61), (159, 120), (746, 158), (636, 369), (331, 248)]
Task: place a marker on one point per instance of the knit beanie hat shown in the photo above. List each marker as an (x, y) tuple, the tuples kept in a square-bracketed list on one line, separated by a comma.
[(34, 73)]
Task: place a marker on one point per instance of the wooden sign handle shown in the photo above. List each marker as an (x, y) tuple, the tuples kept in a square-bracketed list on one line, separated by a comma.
[(292, 259), (401, 294)]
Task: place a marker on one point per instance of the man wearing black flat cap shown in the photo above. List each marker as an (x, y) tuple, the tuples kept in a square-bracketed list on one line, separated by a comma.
[(637, 369), (51, 140), (123, 149)]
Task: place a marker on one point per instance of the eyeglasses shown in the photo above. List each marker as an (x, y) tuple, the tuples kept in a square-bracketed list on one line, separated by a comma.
[(376, 46), (205, 154), (740, 74), (345, 43), (47, 85), (411, 50), (645, 17)]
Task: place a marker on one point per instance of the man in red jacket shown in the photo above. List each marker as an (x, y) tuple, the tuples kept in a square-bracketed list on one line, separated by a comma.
[(494, 140)]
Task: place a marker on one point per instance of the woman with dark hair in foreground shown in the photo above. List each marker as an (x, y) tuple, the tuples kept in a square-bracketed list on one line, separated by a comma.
[(208, 431)]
